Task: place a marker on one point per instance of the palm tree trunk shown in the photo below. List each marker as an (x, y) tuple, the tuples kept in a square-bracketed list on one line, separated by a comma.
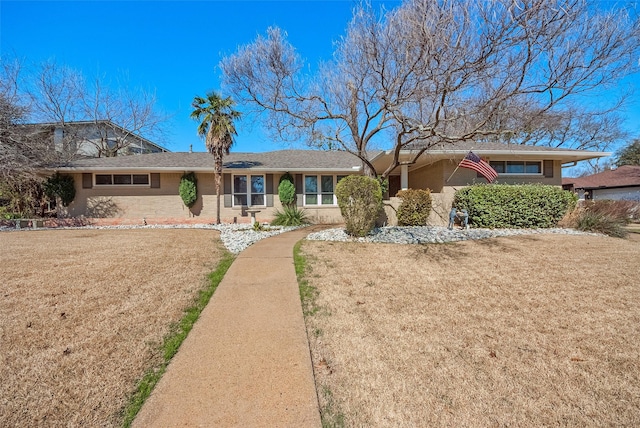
[(218, 173), (218, 176)]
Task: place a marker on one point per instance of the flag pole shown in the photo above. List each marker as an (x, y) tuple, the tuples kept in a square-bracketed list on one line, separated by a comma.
[(458, 166)]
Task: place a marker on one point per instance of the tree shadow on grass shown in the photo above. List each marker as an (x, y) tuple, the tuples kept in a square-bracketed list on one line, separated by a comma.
[(456, 251)]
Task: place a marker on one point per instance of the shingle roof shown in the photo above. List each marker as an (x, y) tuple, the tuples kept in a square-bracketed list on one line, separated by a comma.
[(490, 147), (281, 160), (300, 160), (627, 175)]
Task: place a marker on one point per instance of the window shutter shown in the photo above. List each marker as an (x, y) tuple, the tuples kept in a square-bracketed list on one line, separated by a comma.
[(87, 180), (299, 190), (548, 168), (226, 187), (155, 181), (270, 183), (269, 190)]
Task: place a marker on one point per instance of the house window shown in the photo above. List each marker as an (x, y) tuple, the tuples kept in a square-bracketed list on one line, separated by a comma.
[(248, 190), (122, 179), (319, 189), (517, 167)]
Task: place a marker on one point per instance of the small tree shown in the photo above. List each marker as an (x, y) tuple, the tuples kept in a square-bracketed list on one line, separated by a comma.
[(61, 186), (360, 202), (287, 190), (188, 189), (216, 116)]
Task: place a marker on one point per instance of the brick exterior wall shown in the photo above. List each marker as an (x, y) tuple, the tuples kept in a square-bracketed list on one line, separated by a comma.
[(132, 204), (137, 204)]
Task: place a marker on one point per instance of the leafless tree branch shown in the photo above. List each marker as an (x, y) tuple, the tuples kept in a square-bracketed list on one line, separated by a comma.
[(442, 71)]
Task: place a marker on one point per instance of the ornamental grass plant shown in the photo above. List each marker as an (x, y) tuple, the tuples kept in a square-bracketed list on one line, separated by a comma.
[(290, 215)]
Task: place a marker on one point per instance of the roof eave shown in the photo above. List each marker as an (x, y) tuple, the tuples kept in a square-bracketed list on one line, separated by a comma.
[(202, 169)]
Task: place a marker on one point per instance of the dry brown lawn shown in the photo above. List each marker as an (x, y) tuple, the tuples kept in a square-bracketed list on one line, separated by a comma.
[(82, 313), (522, 331)]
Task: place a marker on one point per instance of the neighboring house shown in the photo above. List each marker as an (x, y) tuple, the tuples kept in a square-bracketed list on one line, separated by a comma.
[(146, 186), (620, 183), (92, 138)]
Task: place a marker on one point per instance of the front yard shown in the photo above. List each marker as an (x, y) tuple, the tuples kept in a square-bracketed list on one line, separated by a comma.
[(523, 331), (82, 313)]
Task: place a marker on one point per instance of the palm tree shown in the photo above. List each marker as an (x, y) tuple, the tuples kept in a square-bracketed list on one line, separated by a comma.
[(216, 116)]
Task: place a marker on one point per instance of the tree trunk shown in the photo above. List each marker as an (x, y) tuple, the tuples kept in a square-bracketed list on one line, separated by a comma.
[(218, 176)]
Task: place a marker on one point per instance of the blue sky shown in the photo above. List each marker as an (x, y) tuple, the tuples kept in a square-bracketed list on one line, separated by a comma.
[(173, 47), (167, 46)]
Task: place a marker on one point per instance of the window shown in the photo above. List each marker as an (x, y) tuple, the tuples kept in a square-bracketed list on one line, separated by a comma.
[(122, 179), (253, 193), (319, 189), (517, 167)]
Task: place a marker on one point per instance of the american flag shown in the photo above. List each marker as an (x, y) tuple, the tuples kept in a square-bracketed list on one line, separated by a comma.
[(473, 161)]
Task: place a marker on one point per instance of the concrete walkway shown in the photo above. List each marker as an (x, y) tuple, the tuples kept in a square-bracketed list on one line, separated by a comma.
[(246, 362)]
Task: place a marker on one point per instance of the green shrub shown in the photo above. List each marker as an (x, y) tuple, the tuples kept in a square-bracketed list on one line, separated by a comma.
[(514, 206), (188, 189), (384, 185), (60, 186), (415, 207), (360, 201), (290, 215), (287, 191)]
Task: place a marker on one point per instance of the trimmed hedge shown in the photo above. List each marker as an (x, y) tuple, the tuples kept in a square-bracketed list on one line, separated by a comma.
[(360, 201), (514, 206), (415, 207)]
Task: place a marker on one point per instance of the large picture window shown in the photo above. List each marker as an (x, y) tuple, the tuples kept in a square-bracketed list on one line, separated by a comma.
[(517, 167), (122, 179), (319, 189), (248, 190)]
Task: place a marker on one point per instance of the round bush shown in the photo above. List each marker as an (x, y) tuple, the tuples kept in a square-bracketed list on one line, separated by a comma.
[(415, 207), (360, 201)]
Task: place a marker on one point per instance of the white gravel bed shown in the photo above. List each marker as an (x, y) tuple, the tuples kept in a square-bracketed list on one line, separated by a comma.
[(430, 234)]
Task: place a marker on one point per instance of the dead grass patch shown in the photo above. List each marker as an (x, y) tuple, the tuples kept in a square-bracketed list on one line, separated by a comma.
[(82, 315), (522, 331)]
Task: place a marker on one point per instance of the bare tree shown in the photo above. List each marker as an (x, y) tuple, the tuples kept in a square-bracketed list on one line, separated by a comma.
[(433, 72), (119, 116), (22, 150), (61, 95), (55, 93)]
